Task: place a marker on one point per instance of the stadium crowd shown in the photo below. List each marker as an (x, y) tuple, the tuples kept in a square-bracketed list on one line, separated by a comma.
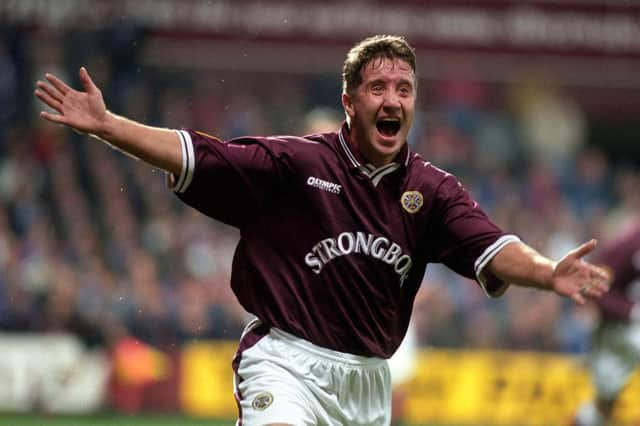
[(107, 251)]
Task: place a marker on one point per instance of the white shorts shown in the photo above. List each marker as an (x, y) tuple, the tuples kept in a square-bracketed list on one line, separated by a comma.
[(284, 379), (616, 356)]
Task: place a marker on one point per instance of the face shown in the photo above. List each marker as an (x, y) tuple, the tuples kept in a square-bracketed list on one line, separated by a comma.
[(381, 109)]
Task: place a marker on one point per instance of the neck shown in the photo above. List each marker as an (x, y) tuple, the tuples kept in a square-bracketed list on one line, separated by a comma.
[(376, 159)]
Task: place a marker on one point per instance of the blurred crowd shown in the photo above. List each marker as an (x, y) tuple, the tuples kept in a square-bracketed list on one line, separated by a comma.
[(92, 242)]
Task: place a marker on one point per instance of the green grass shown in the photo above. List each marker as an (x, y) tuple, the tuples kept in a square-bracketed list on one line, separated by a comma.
[(107, 420)]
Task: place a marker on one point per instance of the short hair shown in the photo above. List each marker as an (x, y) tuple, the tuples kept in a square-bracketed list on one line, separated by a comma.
[(377, 46)]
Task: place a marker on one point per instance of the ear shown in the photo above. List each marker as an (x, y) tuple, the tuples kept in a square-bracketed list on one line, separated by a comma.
[(347, 104)]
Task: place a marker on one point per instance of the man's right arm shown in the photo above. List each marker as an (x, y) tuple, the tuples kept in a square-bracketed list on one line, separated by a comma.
[(86, 112)]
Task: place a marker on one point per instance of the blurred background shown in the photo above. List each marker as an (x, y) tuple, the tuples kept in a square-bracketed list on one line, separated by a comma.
[(114, 297)]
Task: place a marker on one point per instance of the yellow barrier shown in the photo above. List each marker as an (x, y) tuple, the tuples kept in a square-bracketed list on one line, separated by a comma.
[(206, 385), (493, 387), (450, 386)]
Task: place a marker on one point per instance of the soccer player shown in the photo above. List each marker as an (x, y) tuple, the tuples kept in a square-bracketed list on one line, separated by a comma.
[(336, 230), (616, 349)]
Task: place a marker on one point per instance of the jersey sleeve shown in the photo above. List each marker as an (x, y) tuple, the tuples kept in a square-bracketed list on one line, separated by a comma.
[(467, 239), (621, 255), (228, 181)]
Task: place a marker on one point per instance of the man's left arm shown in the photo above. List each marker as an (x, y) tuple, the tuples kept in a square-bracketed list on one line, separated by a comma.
[(571, 276)]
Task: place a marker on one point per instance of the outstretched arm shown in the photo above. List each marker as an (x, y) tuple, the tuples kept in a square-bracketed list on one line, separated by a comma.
[(571, 276), (86, 112)]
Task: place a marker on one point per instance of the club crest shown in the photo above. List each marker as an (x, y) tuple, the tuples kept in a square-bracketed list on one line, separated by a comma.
[(411, 201), (262, 401)]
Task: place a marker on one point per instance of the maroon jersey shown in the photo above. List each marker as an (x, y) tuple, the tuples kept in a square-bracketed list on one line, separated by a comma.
[(333, 250), (622, 256)]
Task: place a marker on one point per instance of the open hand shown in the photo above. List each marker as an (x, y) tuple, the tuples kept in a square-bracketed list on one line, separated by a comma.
[(578, 279), (82, 111)]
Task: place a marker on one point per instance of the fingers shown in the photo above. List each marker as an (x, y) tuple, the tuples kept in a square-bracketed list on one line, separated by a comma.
[(49, 99), (58, 84), (583, 250), (51, 91), (601, 277), (579, 298), (597, 284), (602, 273), (593, 290), (86, 80), (49, 95), (55, 118), (584, 292)]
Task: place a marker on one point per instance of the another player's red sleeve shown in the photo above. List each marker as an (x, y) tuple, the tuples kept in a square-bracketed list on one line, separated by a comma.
[(466, 238), (228, 181), (615, 304), (621, 255)]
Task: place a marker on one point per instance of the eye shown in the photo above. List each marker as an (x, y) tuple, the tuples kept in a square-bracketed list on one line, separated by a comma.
[(405, 91), (377, 88)]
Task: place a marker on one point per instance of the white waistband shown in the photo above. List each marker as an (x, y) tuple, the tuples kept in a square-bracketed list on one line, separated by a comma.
[(324, 353)]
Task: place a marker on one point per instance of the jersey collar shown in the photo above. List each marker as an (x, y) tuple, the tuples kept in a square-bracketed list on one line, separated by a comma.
[(357, 161)]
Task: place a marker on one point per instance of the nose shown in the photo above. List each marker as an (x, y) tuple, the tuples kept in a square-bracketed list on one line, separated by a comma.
[(391, 100)]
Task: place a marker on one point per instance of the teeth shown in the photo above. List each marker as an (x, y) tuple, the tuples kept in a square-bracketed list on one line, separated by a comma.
[(391, 119)]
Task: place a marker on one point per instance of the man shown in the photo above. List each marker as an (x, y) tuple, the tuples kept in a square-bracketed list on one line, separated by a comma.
[(336, 232), (616, 351)]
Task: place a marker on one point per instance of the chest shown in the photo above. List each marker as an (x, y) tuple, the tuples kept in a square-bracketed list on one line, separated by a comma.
[(349, 203)]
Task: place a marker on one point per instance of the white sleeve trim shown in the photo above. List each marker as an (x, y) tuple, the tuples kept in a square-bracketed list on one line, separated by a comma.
[(486, 257), (188, 164)]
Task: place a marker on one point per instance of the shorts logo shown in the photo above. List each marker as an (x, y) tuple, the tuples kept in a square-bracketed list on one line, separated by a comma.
[(411, 201), (262, 401)]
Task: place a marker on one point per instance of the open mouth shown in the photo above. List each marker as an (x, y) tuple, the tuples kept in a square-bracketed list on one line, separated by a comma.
[(388, 126)]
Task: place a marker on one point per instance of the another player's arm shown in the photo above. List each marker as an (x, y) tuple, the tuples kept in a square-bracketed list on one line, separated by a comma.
[(86, 112), (571, 276)]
